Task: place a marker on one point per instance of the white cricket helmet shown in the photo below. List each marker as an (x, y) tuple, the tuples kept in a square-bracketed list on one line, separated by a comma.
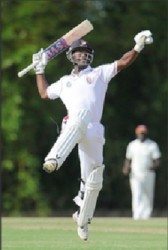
[(80, 45)]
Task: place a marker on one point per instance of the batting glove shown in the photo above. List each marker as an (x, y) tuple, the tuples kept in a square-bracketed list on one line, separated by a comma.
[(142, 38), (40, 60)]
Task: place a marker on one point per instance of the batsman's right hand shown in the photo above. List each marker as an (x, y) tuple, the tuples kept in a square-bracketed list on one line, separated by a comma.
[(40, 60), (142, 38)]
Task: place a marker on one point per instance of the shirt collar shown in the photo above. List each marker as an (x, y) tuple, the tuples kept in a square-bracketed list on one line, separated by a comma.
[(84, 71)]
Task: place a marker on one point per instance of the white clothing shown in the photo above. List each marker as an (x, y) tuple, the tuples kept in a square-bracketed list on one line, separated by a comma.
[(84, 91), (142, 179), (90, 150), (142, 155), (87, 91), (142, 196)]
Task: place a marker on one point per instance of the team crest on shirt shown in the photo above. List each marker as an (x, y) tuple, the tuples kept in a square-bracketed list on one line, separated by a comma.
[(68, 84), (89, 79)]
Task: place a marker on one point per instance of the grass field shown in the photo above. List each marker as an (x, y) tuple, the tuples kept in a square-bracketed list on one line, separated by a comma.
[(104, 234)]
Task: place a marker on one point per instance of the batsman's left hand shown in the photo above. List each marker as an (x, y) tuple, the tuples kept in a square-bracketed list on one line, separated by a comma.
[(40, 60)]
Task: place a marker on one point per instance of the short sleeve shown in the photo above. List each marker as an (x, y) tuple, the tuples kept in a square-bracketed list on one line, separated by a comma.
[(54, 90), (109, 71), (128, 152), (156, 151)]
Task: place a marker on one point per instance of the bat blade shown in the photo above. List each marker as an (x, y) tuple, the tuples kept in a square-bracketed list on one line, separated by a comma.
[(63, 43), (79, 31)]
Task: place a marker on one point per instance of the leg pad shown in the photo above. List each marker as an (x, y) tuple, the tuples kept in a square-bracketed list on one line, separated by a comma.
[(93, 187)]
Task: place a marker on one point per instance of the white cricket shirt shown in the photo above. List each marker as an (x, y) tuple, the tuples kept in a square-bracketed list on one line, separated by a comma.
[(142, 155), (84, 91)]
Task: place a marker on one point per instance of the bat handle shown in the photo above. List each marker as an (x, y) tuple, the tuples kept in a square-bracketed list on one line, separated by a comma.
[(27, 69)]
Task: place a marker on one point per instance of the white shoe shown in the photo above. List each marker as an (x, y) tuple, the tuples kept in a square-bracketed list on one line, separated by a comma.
[(49, 166), (75, 217), (83, 232)]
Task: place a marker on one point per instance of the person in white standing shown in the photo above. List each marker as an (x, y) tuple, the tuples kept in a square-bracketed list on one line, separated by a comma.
[(142, 160), (83, 92)]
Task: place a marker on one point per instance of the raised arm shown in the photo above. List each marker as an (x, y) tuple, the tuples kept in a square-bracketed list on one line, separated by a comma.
[(127, 59), (142, 38), (40, 59), (42, 85)]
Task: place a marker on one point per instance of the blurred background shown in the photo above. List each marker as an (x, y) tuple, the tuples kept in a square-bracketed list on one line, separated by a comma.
[(138, 95)]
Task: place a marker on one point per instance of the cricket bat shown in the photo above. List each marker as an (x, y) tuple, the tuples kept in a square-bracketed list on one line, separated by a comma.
[(63, 43)]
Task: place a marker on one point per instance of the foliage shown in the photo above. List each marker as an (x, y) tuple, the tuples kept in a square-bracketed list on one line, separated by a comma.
[(136, 95)]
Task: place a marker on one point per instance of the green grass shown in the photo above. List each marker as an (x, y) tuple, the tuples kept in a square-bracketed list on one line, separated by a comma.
[(104, 234)]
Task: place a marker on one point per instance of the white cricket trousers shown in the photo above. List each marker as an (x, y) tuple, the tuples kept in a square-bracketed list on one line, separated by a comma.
[(142, 189), (90, 150)]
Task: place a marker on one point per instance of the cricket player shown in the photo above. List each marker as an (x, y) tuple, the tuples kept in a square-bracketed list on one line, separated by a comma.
[(83, 93), (142, 160)]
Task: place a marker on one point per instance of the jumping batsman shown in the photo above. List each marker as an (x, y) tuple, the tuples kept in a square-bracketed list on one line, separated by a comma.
[(83, 92)]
